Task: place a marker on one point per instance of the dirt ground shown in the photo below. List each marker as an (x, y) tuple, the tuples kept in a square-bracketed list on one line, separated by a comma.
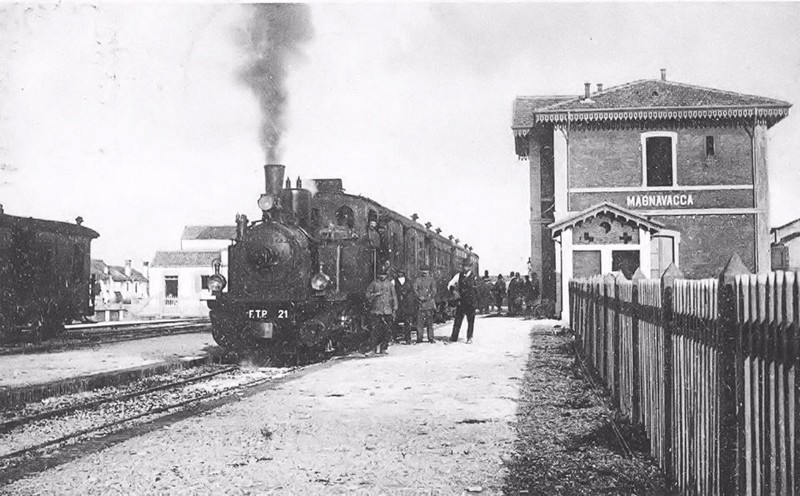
[(426, 419), (509, 414)]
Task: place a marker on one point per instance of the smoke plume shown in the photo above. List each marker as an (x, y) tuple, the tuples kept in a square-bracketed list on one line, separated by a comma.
[(273, 37)]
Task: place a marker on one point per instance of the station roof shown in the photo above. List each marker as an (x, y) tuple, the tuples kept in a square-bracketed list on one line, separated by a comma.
[(184, 258), (647, 99), (556, 228)]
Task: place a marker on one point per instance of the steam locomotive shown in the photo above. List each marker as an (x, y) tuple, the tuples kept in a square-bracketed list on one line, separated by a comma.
[(44, 276), (298, 275)]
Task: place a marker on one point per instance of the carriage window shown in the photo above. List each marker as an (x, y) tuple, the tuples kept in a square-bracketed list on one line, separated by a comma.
[(345, 217)]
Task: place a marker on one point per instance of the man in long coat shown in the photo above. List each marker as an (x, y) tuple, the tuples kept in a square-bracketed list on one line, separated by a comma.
[(425, 291), (465, 287), (382, 304)]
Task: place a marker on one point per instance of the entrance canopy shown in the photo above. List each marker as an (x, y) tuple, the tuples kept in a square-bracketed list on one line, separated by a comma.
[(601, 223)]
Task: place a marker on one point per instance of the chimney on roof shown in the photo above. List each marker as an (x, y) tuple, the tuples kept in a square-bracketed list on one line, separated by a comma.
[(146, 267), (663, 74), (587, 89), (127, 268), (599, 87)]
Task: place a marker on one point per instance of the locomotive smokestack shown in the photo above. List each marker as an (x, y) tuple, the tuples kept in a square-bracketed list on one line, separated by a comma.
[(273, 174)]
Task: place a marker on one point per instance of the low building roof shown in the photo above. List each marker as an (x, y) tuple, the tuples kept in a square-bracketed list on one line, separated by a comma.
[(184, 258), (115, 272), (209, 232), (604, 208)]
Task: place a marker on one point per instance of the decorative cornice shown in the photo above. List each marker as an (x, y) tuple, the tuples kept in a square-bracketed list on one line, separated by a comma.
[(588, 115)]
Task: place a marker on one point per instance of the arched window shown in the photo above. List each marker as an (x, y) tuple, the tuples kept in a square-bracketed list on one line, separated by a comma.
[(345, 217)]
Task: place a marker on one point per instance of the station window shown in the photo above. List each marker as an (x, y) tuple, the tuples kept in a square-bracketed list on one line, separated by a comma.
[(709, 146), (658, 158), (204, 282)]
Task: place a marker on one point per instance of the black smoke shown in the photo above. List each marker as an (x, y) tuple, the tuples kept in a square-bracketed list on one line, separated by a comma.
[(273, 37)]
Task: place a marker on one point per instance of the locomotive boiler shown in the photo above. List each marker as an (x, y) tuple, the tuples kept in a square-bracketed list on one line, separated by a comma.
[(297, 276)]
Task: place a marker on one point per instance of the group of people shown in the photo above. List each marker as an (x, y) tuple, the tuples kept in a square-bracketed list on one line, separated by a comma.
[(522, 295), (399, 305)]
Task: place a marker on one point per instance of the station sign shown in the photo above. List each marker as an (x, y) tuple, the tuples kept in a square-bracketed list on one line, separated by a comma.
[(665, 200)]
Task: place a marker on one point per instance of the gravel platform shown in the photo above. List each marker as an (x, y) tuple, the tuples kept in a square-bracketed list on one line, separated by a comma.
[(39, 368), (509, 414), (426, 419)]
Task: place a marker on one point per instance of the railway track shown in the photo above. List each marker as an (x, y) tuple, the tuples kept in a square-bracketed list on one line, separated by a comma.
[(27, 438), (80, 335)]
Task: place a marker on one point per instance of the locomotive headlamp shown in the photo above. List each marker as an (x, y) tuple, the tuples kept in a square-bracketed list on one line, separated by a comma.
[(320, 280), (266, 202), (216, 283)]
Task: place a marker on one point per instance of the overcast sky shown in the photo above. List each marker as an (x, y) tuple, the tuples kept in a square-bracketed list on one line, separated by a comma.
[(132, 116)]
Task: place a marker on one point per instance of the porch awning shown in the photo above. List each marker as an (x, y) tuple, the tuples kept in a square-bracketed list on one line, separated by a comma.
[(614, 211)]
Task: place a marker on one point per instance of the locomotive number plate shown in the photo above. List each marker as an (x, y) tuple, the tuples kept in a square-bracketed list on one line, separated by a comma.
[(265, 314)]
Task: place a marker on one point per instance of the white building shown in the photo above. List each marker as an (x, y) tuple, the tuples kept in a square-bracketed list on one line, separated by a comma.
[(179, 279), (119, 290)]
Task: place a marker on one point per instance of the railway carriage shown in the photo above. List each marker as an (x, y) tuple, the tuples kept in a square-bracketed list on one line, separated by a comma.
[(298, 275), (44, 275)]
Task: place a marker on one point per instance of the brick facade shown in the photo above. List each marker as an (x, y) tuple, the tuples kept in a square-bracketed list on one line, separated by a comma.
[(691, 159)]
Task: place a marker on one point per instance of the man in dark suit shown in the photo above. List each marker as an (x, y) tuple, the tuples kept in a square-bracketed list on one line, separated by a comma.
[(465, 287)]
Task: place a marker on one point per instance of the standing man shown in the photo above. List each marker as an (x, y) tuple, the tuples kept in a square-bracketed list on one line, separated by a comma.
[(527, 291), (514, 297), (406, 306), (465, 286), (425, 289), (499, 291), (382, 302)]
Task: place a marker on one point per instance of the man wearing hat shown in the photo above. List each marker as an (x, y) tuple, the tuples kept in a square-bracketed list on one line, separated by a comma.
[(382, 303), (425, 289), (406, 306), (465, 286)]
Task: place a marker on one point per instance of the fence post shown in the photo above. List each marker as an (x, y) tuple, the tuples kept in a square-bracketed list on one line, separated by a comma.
[(730, 387), (635, 406), (667, 323), (616, 307)]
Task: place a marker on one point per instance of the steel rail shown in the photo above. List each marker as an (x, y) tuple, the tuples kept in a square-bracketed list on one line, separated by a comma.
[(7, 426), (107, 425)]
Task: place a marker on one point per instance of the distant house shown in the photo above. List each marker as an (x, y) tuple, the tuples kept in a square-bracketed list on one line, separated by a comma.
[(179, 279), (786, 246), (119, 290)]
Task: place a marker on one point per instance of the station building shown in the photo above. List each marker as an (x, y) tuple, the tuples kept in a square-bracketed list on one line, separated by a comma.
[(642, 175)]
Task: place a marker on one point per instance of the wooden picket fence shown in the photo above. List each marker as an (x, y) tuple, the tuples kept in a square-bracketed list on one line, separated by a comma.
[(710, 368)]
